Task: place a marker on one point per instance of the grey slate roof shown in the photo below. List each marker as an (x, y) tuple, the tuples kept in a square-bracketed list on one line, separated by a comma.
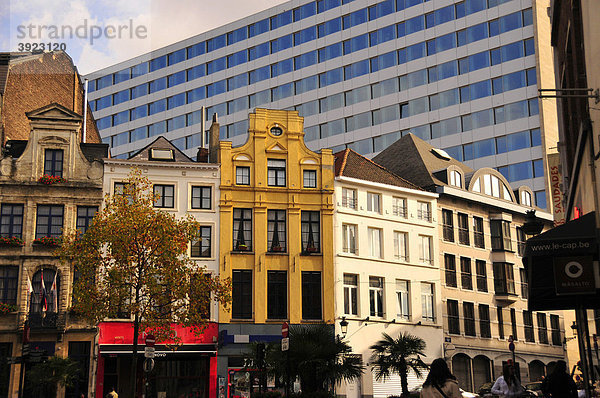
[(418, 162)]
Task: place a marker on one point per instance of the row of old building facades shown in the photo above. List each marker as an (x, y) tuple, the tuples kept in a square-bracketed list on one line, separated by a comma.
[(411, 241)]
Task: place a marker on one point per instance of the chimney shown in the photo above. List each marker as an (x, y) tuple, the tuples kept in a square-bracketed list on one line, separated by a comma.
[(202, 156), (213, 140)]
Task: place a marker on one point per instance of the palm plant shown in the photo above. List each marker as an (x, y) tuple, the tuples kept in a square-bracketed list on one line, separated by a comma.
[(398, 356), (316, 356)]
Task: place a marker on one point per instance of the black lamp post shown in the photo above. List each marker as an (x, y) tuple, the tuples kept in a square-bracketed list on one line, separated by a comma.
[(533, 225), (344, 326)]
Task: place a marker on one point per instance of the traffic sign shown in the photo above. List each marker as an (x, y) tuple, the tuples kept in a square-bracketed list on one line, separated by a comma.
[(284, 330), (150, 340), (285, 344), (149, 352)]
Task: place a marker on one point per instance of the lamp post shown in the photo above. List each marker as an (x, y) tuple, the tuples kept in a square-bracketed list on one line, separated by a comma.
[(532, 225), (344, 326)]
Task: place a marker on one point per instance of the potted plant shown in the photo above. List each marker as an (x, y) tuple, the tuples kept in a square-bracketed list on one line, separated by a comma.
[(12, 241), (311, 249), (277, 248), (242, 247), (51, 180), (6, 309), (49, 241)]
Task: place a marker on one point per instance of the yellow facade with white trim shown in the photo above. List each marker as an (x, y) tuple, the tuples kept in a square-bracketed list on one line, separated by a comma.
[(294, 198)]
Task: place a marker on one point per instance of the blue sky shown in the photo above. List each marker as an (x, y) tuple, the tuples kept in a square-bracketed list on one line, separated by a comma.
[(155, 23)]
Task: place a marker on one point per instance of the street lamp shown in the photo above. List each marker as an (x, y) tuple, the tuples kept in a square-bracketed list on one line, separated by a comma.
[(344, 326), (532, 225)]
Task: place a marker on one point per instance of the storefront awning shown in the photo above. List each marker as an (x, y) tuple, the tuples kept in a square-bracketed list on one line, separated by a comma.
[(562, 266), (160, 350)]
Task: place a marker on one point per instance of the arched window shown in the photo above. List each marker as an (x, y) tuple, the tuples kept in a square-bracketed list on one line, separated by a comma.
[(44, 297), (481, 371), (455, 178), (461, 367), (536, 370), (526, 198)]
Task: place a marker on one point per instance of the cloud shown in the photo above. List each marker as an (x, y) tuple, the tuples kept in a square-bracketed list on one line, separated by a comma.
[(166, 21)]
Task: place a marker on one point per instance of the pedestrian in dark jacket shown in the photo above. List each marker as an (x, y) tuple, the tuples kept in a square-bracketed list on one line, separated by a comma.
[(559, 384)]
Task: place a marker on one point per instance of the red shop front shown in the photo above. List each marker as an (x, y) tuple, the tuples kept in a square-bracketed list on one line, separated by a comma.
[(184, 370)]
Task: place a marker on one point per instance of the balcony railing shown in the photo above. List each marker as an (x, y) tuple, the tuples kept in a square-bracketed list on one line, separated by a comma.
[(478, 240), (424, 215), (349, 202), (38, 320), (448, 232), (399, 211), (463, 236)]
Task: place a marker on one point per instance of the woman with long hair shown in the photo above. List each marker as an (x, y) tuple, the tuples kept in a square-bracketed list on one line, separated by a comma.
[(440, 383), (508, 385)]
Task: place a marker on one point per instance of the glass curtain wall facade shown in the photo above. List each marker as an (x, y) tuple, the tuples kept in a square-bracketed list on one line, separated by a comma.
[(460, 74)]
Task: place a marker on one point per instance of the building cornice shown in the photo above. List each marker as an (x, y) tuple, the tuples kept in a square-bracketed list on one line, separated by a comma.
[(502, 205), (166, 165), (408, 191)]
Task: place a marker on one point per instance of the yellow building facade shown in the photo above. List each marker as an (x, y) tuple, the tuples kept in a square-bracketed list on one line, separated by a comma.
[(276, 243)]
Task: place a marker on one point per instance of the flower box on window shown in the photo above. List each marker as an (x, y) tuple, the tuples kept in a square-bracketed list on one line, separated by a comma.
[(6, 309), (49, 241), (13, 241), (277, 249), (312, 249), (51, 180), (242, 248)]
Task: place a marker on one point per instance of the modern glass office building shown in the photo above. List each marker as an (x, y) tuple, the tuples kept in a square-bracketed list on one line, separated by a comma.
[(461, 74)]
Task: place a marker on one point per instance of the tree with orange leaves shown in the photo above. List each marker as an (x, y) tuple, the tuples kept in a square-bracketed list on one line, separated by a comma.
[(133, 259)]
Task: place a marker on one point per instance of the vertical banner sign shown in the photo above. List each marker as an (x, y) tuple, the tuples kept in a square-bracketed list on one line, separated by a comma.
[(556, 191)]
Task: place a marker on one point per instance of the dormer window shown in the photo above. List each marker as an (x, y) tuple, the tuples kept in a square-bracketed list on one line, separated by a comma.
[(165, 155), (526, 198), (455, 178), (53, 162)]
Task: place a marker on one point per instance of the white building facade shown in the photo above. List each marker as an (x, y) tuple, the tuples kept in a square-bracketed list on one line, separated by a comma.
[(386, 271), (185, 187)]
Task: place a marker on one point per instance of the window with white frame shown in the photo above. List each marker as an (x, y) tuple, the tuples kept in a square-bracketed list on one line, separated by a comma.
[(351, 294), (427, 302), (401, 245), (242, 175), (349, 238), (376, 296), (424, 211), (310, 178), (403, 298), (425, 249), (525, 198), (374, 242), (455, 178), (374, 202), (276, 172), (349, 198), (399, 207)]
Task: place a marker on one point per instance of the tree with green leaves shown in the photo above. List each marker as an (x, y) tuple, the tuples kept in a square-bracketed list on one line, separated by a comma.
[(133, 260), (44, 378), (398, 356), (317, 357)]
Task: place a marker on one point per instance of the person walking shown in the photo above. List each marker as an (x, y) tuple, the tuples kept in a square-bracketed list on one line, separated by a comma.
[(508, 385), (559, 383), (440, 383)]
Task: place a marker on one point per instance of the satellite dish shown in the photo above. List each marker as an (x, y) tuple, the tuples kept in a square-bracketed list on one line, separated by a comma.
[(441, 153)]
